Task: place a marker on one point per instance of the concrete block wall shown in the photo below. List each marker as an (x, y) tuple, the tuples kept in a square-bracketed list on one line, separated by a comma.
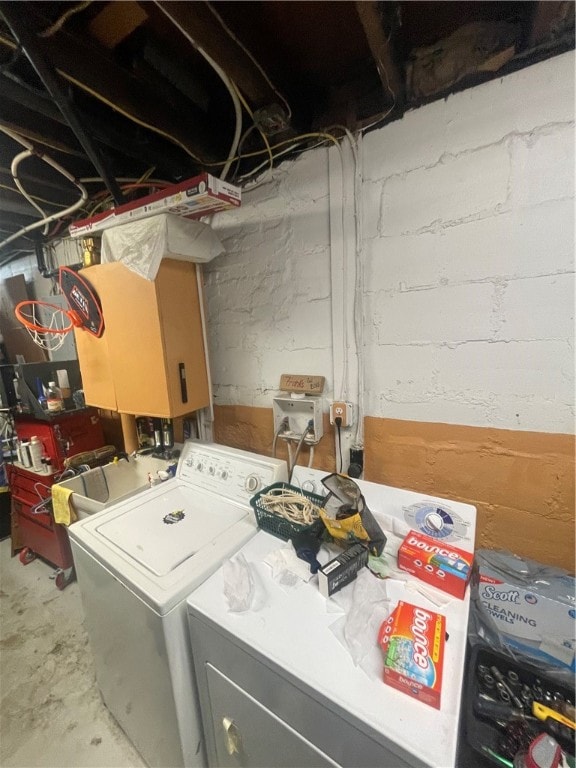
[(470, 275), (468, 306)]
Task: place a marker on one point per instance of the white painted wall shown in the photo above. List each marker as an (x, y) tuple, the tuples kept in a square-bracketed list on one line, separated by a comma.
[(469, 264)]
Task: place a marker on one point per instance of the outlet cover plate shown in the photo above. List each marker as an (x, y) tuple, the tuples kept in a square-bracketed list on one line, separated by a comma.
[(299, 411)]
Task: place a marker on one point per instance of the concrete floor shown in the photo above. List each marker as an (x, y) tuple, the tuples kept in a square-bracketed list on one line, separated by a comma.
[(51, 713)]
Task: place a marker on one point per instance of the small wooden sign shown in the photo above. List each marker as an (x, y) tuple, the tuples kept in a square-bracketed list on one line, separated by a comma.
[(310, 385)]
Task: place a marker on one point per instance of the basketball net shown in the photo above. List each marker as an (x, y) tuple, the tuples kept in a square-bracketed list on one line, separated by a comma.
[(47, 324)]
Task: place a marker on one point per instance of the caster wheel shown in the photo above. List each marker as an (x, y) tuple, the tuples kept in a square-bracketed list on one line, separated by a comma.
[(63, 578), (26, 556)]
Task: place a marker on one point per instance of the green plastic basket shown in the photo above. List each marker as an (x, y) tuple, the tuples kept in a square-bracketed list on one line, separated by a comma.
[(275, 524)]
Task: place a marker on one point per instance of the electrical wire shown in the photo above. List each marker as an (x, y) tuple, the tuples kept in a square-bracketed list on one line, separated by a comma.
[(243, 138), (252, 58), (307, 431), (338, 423), (59, 23), (281, 428), (311, 456), (57, 167), (324, 137), (39, 199), (289, 448), (123, 180), (14, 170), (125, 188), (260, 131), (228, 84), (359, 290)]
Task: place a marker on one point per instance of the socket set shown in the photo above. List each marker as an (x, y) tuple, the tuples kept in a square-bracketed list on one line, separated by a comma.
[(507, 705)]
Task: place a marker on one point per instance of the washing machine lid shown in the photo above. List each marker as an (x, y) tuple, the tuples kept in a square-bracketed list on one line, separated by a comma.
[(163, 532), (165, 541)]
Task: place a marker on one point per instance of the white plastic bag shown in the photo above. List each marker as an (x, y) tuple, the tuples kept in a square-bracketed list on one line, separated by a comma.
[(141, 245), (238, 584)]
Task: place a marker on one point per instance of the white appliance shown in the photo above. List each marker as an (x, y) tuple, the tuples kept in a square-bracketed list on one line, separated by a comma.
[(136, 562), (277, 687)]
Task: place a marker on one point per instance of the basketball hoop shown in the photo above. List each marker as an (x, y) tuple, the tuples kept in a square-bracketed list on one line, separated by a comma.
[(48, 324)]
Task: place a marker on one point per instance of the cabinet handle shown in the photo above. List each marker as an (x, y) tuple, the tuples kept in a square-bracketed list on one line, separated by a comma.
[(232, 735), (183, 387)]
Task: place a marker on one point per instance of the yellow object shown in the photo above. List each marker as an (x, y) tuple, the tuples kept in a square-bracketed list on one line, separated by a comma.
[(349, 529), (543, 713), (64, 512)]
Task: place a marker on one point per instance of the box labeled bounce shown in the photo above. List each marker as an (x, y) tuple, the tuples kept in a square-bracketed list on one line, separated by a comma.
[(412, 641), (437, 563)]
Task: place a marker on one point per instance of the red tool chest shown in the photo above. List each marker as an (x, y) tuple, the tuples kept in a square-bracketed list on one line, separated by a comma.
[(34, 530), (64, 434)]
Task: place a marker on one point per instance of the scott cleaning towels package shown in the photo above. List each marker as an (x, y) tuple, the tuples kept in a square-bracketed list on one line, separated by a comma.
[(532, 605)]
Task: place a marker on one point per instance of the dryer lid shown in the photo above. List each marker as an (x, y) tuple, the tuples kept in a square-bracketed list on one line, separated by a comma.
[(167, 529)]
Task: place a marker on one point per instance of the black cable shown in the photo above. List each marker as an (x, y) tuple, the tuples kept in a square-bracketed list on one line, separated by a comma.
[(338, 422)]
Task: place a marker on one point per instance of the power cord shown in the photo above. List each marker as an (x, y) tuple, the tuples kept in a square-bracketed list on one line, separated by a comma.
[(282, 428), (309, 429), (338, 422)]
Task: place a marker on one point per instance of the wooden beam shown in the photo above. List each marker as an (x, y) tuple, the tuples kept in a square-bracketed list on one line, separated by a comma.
[(90, 69), (197, 22), (116, 21), (381, 50)]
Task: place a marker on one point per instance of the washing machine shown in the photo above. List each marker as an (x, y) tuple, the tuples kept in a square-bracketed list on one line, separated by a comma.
[(278, 686), (136, 563)]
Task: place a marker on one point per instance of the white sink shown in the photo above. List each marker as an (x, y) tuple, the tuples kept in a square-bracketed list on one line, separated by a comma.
[(98, 488)]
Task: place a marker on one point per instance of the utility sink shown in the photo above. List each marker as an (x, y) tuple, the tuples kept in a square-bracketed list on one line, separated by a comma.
[(101, 487)]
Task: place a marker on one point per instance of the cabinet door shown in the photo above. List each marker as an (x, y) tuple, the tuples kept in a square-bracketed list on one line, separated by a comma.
[(249, 735), (182, 337), (153, 332)]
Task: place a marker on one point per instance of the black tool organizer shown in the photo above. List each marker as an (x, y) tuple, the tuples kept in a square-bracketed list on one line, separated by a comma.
[(487, 704)]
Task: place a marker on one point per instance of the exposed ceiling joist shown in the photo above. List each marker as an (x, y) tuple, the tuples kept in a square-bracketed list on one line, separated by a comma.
[(201, 23), (381, 49), (87, 67), (152, 81)]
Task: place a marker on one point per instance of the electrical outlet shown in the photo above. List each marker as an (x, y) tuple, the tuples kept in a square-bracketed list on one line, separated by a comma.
[(340, 409), (299, 411)]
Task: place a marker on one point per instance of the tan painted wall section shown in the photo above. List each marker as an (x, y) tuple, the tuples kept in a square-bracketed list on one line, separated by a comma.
[(523, 483)]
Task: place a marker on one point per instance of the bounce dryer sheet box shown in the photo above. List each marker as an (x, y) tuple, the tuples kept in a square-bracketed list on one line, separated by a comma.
[(442, 565), (412, 641)]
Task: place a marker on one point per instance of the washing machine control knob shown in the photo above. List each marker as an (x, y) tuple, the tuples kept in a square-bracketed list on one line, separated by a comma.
[(199, 466), (210, 470), (224, 474), (252, 483)]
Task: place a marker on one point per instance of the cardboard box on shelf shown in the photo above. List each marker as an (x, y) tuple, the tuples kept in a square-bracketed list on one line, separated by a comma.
[(192, 198)]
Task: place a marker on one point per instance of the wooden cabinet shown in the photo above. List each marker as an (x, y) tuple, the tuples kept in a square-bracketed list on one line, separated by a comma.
[(150, 360)]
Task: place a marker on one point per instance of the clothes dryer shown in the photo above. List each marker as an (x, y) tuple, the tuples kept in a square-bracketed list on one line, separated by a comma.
[(277, 684)]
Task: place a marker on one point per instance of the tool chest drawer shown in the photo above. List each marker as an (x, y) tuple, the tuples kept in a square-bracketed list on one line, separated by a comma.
[(38, 518), (51, 544), (29, 487)]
